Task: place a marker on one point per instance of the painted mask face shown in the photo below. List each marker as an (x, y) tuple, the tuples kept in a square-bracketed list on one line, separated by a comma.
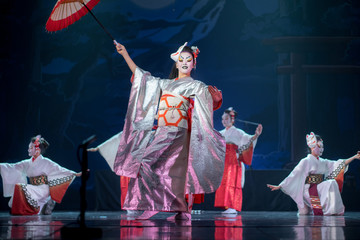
[(31, 149), (319, 148), (185, 63), (226, 120)]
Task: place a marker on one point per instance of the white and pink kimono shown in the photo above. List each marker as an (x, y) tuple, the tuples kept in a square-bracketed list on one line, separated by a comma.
[(328, 190), (180, 157), (47, 181)]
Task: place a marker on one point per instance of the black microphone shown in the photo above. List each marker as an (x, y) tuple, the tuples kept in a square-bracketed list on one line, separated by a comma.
[(88, 141)]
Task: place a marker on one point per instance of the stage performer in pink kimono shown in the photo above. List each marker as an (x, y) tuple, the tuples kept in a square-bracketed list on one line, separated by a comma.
[(315, 183), (108, 150), (239, 150), (175, 159), (48, 181)]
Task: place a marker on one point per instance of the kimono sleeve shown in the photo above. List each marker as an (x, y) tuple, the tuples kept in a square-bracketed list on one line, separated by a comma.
[(139, 121), (246, 147), (12, 174), (108, 149), (293, 185), (337, 169), (59, 179), (244, 138), (207, 147)]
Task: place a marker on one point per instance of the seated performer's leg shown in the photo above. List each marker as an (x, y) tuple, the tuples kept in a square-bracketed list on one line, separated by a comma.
[(304, 210), (29, 199), (330, 198), (48, 207)]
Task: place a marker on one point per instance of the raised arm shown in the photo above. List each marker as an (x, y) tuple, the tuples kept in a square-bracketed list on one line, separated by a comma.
[(122, 51), (349, 160)]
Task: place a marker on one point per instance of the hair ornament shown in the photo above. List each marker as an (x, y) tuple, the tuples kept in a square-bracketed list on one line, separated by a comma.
[(232, 113), (195, 50), (37, 142)]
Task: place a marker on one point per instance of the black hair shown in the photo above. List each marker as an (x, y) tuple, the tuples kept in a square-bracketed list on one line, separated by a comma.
[(174, 73), (229, 110), (43, 144)]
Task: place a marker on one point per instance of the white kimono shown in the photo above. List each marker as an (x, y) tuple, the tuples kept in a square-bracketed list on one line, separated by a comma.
[(58, 180), (329, 194)]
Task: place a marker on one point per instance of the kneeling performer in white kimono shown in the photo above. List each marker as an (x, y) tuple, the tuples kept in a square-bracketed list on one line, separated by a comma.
[(48, 181), (315, 183)]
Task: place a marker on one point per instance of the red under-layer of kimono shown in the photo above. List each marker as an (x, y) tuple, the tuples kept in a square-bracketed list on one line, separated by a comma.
[(229, 194), (23, 204), (124, 184)]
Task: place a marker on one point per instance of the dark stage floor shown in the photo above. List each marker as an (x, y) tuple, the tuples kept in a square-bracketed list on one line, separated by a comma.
[(206, 225)]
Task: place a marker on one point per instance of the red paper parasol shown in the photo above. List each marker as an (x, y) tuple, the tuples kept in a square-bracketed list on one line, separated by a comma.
[(66, 12)]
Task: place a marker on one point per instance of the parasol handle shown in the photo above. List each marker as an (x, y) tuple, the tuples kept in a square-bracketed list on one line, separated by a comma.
[(106, 31)]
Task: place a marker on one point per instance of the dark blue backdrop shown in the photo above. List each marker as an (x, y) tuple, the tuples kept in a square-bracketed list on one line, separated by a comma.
[(72, 84)]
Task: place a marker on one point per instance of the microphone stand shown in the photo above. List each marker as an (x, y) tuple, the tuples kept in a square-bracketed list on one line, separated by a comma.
[(82, 232)]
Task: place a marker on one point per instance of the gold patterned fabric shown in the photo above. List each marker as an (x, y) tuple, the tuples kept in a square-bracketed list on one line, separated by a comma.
[(314, 178), (39, 180)]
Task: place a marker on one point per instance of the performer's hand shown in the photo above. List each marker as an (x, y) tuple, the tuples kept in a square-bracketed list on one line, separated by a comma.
[(122, 51), (216, 95), (273, 187), (93, 149), (258, 130), (357, 156), (80, 173), (120, 48)]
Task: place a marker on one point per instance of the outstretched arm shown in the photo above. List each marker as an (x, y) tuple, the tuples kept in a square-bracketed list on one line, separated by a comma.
[(122, 51), (78, 174), (273, 187), (349, 160), (93, 149)]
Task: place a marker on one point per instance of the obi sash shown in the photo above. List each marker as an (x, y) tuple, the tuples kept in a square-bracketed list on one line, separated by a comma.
[(38, 180), (173, 110)]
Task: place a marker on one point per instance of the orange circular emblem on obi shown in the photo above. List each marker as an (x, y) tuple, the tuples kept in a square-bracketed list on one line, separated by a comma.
[(173, 111)]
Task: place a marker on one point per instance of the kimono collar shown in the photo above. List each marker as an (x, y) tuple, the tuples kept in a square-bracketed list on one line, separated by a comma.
[(226, 129), (184, 78), (33, 158), (317, 158)]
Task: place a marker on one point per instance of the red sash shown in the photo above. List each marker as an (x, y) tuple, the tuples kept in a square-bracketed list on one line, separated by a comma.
[(315, 200)]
